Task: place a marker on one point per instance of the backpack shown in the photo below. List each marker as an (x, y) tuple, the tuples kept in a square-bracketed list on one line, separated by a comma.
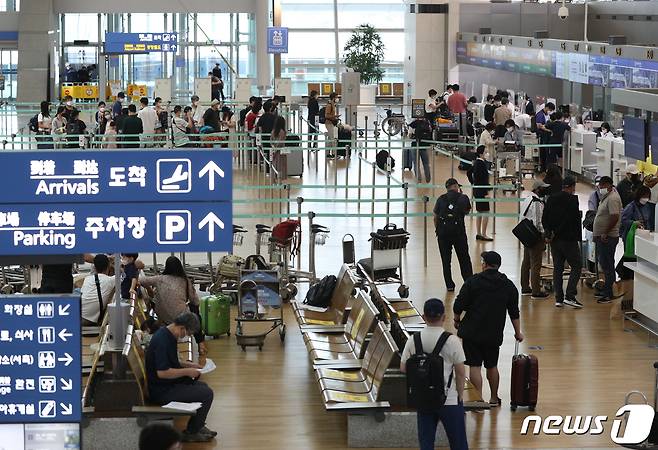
[(426, 388), (322, 118), (229, 267), (256, 262), (319, 295), (33, 124), (285, 231), (588, 221), (382, 159), (449, 221)]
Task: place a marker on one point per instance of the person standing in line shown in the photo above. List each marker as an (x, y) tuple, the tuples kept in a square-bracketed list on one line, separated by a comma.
[(480, 177), (457, 104), (606, 236), (626, 187), (45, 127), (501, 115), (117, 106), (331, 117), (181, 126), (449, 213), (211, 116), (149, 118), (431, 106), (529, 106), (58, 127), (489, 109), (313, 114), (131, 128), (558, 128), (480, 309), (562, 226), (543, 134), (451, 413), (278, 143), (197, 112), (487, 137), (533, 210)]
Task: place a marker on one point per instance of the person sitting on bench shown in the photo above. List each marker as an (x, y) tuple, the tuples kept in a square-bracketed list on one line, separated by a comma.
[(169, 380)]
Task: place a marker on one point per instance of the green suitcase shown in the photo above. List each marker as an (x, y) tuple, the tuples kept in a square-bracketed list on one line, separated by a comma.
[(215, 315)]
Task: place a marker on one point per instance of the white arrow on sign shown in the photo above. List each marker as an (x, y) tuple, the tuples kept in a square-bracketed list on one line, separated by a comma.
[(211, 220), (211, 169), (67, 409), (64, 310), (67, 384), (63, 334), (67, 359)]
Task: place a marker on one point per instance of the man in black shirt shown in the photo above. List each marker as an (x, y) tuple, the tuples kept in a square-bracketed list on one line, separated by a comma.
[(131, 128), (169, 380), (486, 298), (211, 116), (489, 109), (449, 213), (245, 111), (266, 121), (312, 117), (562, 226)]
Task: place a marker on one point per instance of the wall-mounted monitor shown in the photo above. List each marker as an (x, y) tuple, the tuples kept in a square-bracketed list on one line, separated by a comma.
[(635, 138)]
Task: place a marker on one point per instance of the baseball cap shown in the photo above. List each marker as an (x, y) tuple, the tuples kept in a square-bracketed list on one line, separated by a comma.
[(491, 258), (536, 184), (452, 182), (568, 181), (215, 102), (632, 169), (606, 180), (433, 308)]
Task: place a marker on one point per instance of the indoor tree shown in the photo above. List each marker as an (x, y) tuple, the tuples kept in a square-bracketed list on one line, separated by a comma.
[(364, 53)]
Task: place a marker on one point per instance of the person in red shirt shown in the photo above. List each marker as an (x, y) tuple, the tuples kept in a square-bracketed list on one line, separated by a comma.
[(457, 101)]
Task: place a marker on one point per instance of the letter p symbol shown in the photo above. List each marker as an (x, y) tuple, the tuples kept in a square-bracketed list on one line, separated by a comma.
[(174, 227)]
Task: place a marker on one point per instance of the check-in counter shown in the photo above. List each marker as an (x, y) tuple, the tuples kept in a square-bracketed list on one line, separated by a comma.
[(645, 282), (582, 151)]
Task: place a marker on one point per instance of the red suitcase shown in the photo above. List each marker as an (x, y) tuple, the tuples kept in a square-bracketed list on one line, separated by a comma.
[(525, 380)]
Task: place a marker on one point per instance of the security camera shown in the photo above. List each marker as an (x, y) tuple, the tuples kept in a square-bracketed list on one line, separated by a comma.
[(563, 12)]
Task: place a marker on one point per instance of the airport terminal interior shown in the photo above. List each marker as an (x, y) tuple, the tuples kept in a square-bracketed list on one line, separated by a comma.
[(247, 217)]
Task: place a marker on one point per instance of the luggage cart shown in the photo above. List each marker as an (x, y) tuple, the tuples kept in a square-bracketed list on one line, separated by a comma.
[(508, 168), (385, 263), (259, 301)]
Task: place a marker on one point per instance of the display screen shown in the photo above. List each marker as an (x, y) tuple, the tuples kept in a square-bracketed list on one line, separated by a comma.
[(653, 135), (635, 138), (43, 436)]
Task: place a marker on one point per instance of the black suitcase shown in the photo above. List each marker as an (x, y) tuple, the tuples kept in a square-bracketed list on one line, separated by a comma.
[(407, 159), (344, 142)]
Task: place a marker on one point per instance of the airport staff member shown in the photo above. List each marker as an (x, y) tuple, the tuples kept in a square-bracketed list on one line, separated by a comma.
[(169, 380), (543, 133), (480, 310), (449, 213)]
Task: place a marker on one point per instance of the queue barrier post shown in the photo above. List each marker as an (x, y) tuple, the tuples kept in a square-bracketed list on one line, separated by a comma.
[(365, 135), (372, 203), (405, 187), (426, 199)]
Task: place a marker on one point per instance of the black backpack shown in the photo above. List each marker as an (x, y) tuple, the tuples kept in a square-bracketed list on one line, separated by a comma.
[(256, 262), (449, 221), (322, 118), (320, 293), (33, 124), (426, 388), (382, 158)]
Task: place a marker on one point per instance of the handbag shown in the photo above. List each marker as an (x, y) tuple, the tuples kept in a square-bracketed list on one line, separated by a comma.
[(101, 310), (526, 231)]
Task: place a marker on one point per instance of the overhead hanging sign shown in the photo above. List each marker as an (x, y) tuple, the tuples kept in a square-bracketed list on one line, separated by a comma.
[(140, 42), (277, 40), (40, 360), (116, 176)]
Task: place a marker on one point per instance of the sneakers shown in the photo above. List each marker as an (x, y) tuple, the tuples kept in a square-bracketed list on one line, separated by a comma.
[(604, 300), (526, 292), (207, 431), (573, 303), (196, 437), (559, 304), (539, 296)]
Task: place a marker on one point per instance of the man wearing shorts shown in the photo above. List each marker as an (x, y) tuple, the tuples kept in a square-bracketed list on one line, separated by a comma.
[(480, 309)]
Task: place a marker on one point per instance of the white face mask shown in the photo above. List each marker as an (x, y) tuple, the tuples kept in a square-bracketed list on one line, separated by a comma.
[(69, 103), (603, 191), (644, 201), (102, 109), (510, 129), (486, 155), (121, 100)]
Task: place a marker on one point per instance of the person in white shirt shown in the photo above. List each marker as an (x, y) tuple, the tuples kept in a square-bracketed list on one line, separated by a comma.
[(181, 124), (532, 208), (149, 118), (487, 137), (197, 112), (90, 304), (451, 413), (431, 105)]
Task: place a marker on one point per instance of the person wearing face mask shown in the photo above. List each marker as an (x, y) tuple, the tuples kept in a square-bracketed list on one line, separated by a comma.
[(117, 106), (101, 118), (640, 211), (197, 112), (606, 236), (513, 133), (558, 129), (69, 109), (149, 120), (629, 185), (605, 130), (479, 176)]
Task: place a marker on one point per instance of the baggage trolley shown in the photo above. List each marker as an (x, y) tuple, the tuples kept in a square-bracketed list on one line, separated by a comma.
[(259, 301), (385, 263)]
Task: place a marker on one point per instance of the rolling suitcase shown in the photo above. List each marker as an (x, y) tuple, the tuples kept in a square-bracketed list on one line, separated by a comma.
[(407, 159), (295, 159), (215, 315), (525, 380)]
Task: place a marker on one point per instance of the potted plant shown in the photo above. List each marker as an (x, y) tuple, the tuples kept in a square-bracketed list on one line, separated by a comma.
[(364, 53)]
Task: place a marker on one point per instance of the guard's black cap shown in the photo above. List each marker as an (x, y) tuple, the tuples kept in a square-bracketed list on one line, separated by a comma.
[(451, 182)]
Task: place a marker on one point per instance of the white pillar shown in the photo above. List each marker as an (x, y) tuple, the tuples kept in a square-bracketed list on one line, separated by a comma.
[(263, 66)]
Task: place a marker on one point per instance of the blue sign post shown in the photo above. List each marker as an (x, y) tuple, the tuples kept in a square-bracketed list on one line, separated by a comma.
[(277, 40), (40, 359), (140, 42)]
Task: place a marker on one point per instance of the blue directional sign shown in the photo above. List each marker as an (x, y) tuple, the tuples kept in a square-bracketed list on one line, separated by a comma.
[(40, 359), (116, 176), (58, 229), (277, 40), (140, 42)]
